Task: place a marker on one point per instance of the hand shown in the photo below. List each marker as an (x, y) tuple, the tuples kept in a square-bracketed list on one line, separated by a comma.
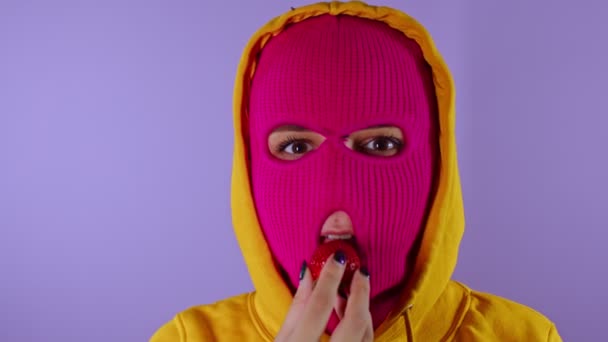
[(313, 303)]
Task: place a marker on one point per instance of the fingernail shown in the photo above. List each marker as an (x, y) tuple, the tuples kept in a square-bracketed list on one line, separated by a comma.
[(303, 270), (364, 271), (340, 257)]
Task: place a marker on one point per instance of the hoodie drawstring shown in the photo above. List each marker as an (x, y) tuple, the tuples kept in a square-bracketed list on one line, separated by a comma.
[(408, 324)]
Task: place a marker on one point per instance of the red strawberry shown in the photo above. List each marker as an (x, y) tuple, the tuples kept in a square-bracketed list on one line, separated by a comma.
[(325, 250)]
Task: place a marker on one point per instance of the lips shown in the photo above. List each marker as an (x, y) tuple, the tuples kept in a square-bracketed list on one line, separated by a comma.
[(346, 238)]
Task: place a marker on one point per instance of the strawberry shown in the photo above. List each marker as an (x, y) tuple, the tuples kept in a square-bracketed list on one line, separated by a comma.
[(325, 250)]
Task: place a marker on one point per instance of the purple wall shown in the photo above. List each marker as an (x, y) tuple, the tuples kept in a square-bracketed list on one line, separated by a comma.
[(537, 212), (116, 143)]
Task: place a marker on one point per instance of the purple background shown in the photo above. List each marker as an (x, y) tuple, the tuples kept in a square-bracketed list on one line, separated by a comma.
[(116, 146)]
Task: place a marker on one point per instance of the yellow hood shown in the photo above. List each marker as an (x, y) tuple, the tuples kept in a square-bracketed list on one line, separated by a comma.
[(439, 248)]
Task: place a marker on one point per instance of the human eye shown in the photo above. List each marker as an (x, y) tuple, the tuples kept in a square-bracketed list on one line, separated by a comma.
[(291, 142), (293, 145), (383, 145)]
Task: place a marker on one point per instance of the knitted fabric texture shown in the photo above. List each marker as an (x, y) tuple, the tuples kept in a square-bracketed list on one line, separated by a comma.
[(335, 75)]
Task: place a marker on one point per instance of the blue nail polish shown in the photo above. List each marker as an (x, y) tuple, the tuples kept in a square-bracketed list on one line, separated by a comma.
[(303, 270), (340, 257)]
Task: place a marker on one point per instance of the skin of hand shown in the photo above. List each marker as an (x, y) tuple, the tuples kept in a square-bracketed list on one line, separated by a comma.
[(313, 303)]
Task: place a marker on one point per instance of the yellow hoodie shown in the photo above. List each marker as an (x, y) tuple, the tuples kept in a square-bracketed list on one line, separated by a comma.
[(433, 307)]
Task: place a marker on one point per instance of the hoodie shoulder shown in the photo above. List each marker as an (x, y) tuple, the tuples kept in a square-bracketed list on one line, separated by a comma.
[(225, 320), (491, 317)]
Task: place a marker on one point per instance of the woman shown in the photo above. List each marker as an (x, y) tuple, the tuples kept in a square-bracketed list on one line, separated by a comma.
[(345, 158)]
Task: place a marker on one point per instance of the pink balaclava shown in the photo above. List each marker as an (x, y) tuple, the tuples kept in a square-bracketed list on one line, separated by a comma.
[(335, 75)]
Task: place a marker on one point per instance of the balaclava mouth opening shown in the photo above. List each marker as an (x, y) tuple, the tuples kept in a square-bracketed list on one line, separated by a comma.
[(335, 75)]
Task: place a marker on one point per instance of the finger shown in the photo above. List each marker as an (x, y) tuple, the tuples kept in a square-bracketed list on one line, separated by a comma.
[(340, 306), (368, 336), (357, 318), (321, 301), (297, 305)]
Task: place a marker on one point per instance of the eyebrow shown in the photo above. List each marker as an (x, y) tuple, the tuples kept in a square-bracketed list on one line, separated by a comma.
[(378, 126), (291, 128)]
